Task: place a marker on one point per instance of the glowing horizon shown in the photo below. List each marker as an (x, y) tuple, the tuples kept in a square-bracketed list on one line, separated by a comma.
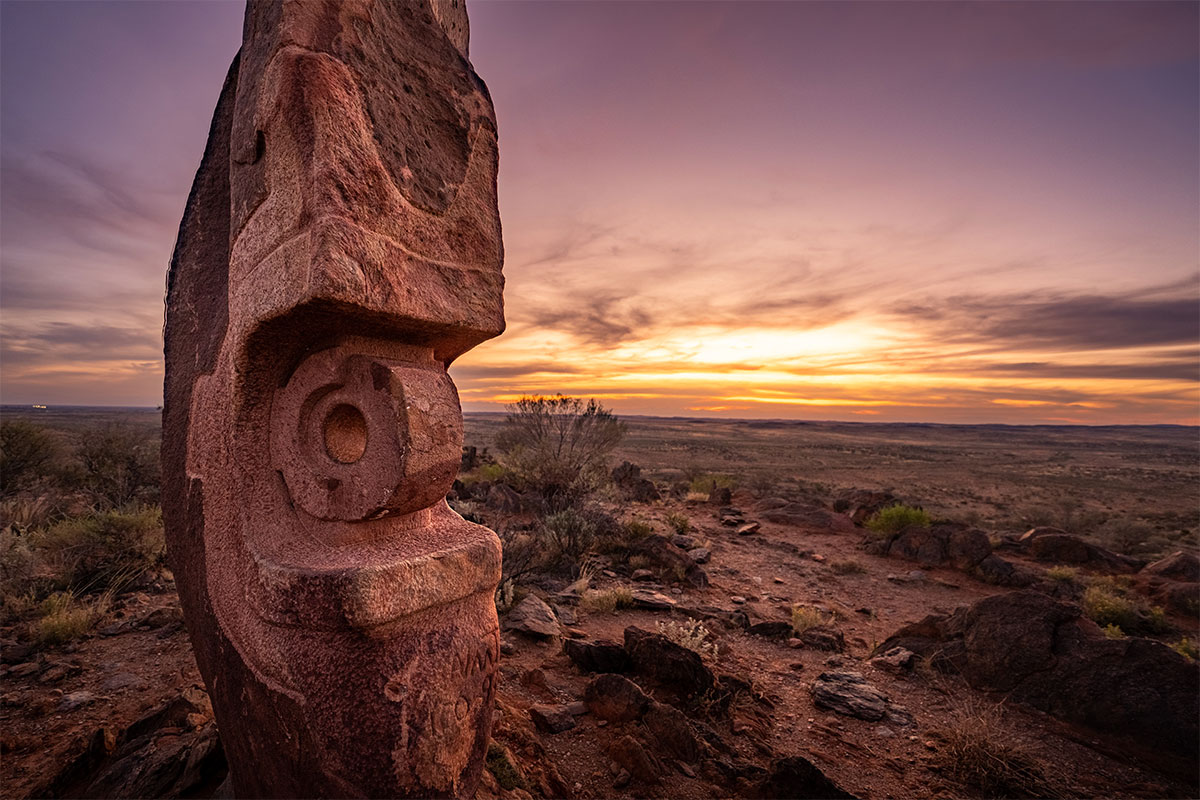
[(880, 212)]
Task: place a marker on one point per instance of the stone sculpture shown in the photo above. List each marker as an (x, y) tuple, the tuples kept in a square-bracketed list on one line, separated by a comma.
[(340, 247)]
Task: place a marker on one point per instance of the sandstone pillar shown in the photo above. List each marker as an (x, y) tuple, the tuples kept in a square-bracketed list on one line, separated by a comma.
[(340, 247)]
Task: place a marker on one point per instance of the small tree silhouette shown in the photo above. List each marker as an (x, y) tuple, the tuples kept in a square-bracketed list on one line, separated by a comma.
[(558, 446)]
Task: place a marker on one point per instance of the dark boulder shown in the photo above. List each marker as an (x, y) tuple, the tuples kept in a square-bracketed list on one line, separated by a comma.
[(615, 698), (673, 733), (797, 778), (1063, 548), (801, 515), (597, 656), (1179, 566), (672, 665), (1043, 652)]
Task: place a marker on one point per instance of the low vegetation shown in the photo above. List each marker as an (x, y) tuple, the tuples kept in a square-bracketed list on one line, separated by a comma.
[(847, 566), (692, 635), (894, 519), (977, 752), (1111, 603), (607, 600), (805, 617)]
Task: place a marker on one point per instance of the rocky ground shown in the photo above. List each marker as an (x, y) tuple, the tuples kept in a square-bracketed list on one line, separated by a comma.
[(892, 693)]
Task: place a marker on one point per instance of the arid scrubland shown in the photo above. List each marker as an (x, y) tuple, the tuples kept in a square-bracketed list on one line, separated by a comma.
[(691, 609)]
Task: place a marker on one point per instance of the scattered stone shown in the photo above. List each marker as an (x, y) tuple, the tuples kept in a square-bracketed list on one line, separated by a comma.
[(684, 542), (642, 575), (700, 555), (54, 674), (551, 719), (820, 559), (823, 637), (532, 617), (670, 664), (116, 628), (774, 629), (849, 694), (503, 498), (630, 754), (25, 670), (598, 656), (672, 732), (748, 528), (652, 600), (915, 576), (628, 478), (897, 660), (13, 652), (576, 708), (731, 522), (565, 614), (76, 700), (737, 600), (615, 698), (1001, 572), (507, 647), (623, 779)]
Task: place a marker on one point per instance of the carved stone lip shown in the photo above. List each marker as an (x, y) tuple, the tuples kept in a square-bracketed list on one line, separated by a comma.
[(367, 593)]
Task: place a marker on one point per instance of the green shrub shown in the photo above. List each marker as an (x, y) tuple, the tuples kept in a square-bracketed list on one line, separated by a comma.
[(1186, 647), (491, 473), (1109, 601), (894, 519), (1114, 632)]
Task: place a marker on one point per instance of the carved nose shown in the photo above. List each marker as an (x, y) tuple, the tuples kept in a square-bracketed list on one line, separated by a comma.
[(357, 436)]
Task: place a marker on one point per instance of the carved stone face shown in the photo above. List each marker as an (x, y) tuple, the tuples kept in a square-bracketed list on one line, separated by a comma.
[(341, 246)]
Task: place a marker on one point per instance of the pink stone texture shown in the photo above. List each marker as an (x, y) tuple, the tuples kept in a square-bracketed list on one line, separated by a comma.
[(340, 248)]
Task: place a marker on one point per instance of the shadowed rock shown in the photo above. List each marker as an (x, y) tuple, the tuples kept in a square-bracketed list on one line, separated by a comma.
[(1043, 652), (340, 247)]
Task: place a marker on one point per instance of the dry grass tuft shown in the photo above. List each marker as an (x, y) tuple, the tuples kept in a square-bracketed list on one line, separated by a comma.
[(977, 752), (848, 567), (692, 635), (607, 600), (805, 617)]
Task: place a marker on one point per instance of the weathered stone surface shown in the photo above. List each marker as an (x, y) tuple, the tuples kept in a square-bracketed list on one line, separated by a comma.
[(597, 656), (1063, 548), (700, 555), (959, 545), (896, 660), (849, 693), (533, 617), (1001, 572), (674, 561), (824, 637), (552, 719), (1043, 652), (1179, 566), (630, 754), (672, 665), (340, 246), (628, 478), (672, 732), (807, 516), (615, 698), (772, 629), (652, 600)]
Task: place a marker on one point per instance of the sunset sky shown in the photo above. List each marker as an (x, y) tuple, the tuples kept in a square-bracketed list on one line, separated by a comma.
[(935, 212)]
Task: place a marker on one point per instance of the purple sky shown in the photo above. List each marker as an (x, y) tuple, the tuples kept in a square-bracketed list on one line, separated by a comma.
[(938, 212)]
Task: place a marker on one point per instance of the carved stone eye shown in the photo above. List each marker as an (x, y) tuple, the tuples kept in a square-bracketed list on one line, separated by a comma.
[(358, 436)]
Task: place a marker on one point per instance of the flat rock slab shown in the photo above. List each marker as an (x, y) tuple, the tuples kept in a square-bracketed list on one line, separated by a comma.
[(532, 617), (652, 600), (552, 719), (849, 694)]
